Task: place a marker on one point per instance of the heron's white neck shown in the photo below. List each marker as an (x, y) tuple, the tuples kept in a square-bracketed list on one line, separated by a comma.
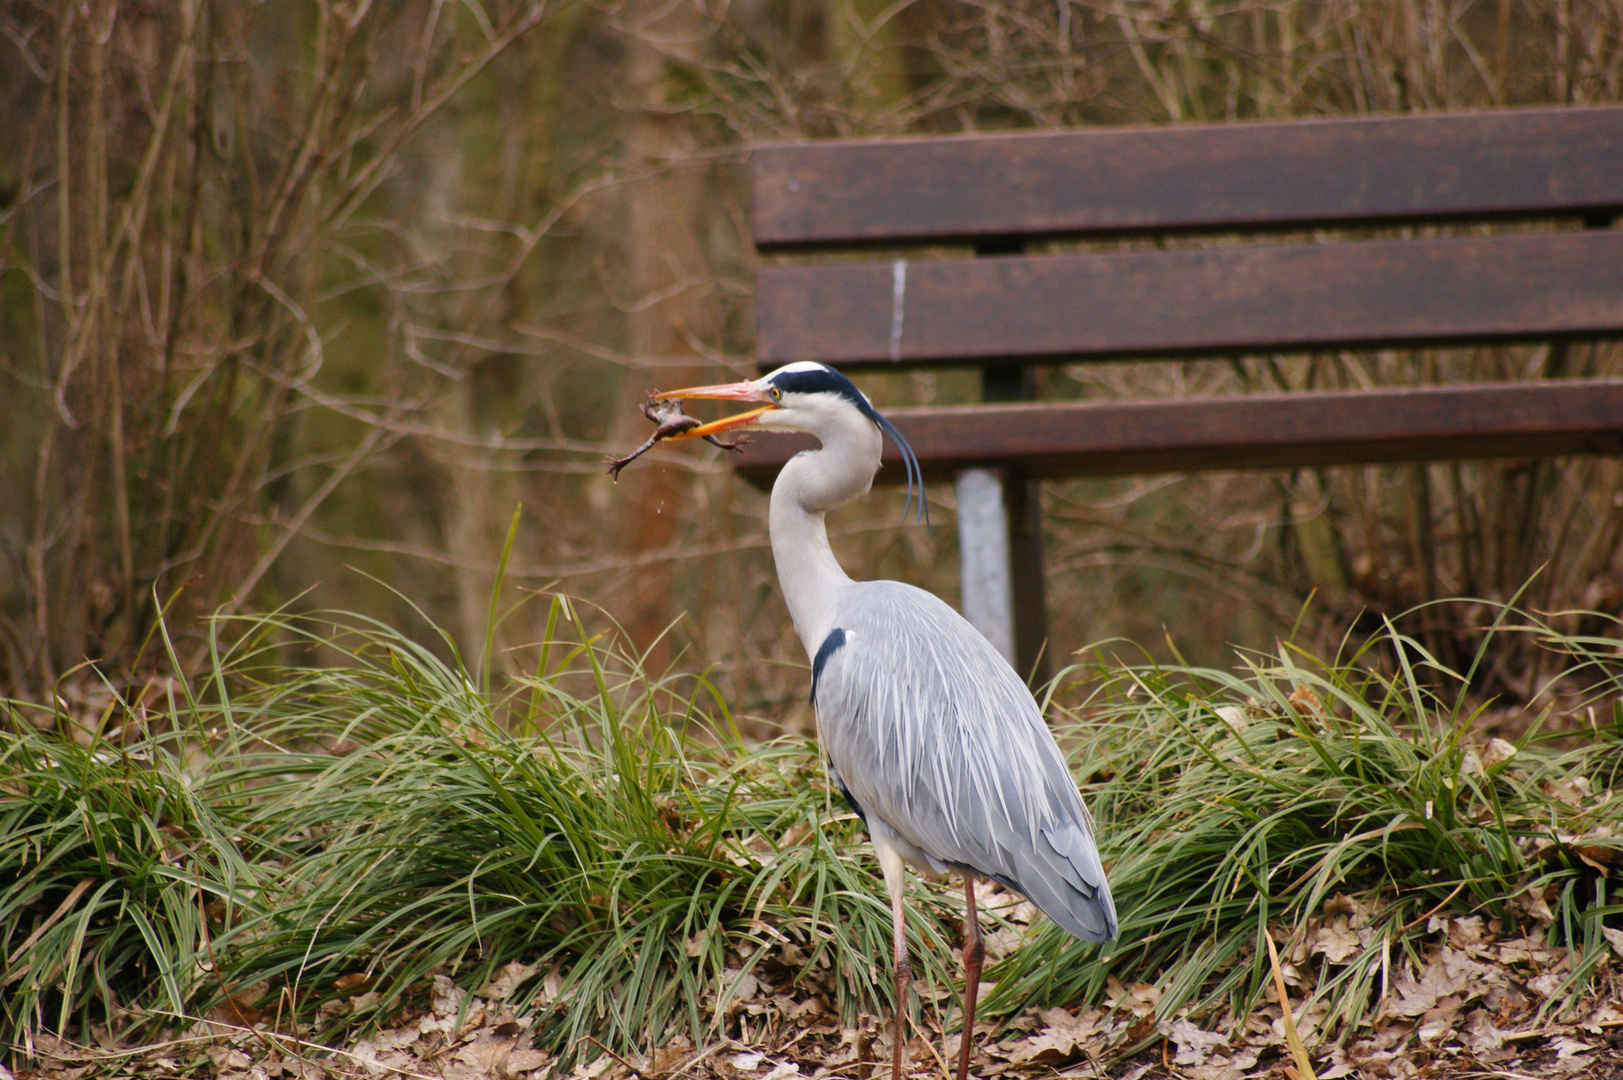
[(812, 579), (810, 485)]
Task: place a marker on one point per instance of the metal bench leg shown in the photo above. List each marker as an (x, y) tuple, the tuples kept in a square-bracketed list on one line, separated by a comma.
[(983, 555), (1001, 566), (1022, 500)]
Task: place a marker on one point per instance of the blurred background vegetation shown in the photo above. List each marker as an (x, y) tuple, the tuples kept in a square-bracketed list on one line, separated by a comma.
[(299, 299)]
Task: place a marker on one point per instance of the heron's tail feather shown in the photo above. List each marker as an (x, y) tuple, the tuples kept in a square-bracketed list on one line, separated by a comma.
[(1067, 881)]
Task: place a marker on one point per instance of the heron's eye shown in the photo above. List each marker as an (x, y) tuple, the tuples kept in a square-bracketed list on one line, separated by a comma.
[(777, 395)]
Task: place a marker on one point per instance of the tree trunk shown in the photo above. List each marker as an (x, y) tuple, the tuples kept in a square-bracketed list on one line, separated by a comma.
[(669, 288)]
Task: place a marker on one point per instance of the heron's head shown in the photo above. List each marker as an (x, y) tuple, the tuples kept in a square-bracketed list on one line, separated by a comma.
[(803, 396)]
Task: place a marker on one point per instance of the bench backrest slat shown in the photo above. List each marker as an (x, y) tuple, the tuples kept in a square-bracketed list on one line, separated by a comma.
[(1417, 168), (1238, 295), (1194, 302), (1111, 438)]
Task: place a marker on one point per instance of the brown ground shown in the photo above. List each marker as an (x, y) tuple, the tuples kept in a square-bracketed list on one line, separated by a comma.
[(1472, 1010)]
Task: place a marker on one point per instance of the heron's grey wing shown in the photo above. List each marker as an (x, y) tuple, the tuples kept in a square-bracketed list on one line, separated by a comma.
[(928, 727)]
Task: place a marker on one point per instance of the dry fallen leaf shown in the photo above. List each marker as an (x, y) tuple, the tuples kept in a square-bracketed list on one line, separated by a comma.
[(742, 988), (1063, 1038), (1482, 1036), (1437, 982), (1497, 750), (1194, 1044), (592, 1069), (1572, 790), (507, 980), (1140, 1000), (1547, 984), (1305, 701), (1522, 951), (1466, 930), (1565, 1046), (1337, 943), (492, 1054), (1339, 904), (446, 998), (228, 1057)]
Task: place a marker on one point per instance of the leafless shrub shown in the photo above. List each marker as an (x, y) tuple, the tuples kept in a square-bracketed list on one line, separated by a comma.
[(189, 185), (297, 289)]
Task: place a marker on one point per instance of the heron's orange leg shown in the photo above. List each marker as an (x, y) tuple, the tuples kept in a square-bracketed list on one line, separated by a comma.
[(974, 957)]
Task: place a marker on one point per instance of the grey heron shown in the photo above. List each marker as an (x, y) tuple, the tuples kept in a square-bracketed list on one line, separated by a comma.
[(929, 733)]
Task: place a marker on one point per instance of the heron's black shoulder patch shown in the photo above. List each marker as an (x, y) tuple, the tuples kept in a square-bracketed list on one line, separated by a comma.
[(831, 645)]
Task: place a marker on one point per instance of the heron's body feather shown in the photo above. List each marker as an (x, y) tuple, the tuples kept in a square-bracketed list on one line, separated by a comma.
[(929, 729)]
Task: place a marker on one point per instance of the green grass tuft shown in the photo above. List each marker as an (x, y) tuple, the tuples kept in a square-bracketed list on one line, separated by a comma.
[(383, 819), (288, 834), (1230, 802)]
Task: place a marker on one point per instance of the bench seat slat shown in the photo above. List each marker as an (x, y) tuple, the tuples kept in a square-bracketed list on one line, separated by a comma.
[(1286, 297), (1093, 438), (1507, 162)]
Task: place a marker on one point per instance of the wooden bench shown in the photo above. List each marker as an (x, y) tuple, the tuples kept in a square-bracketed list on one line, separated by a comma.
[(967, 290)]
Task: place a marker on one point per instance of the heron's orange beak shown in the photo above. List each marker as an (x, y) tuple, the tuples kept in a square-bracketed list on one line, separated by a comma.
[(740, 391)]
